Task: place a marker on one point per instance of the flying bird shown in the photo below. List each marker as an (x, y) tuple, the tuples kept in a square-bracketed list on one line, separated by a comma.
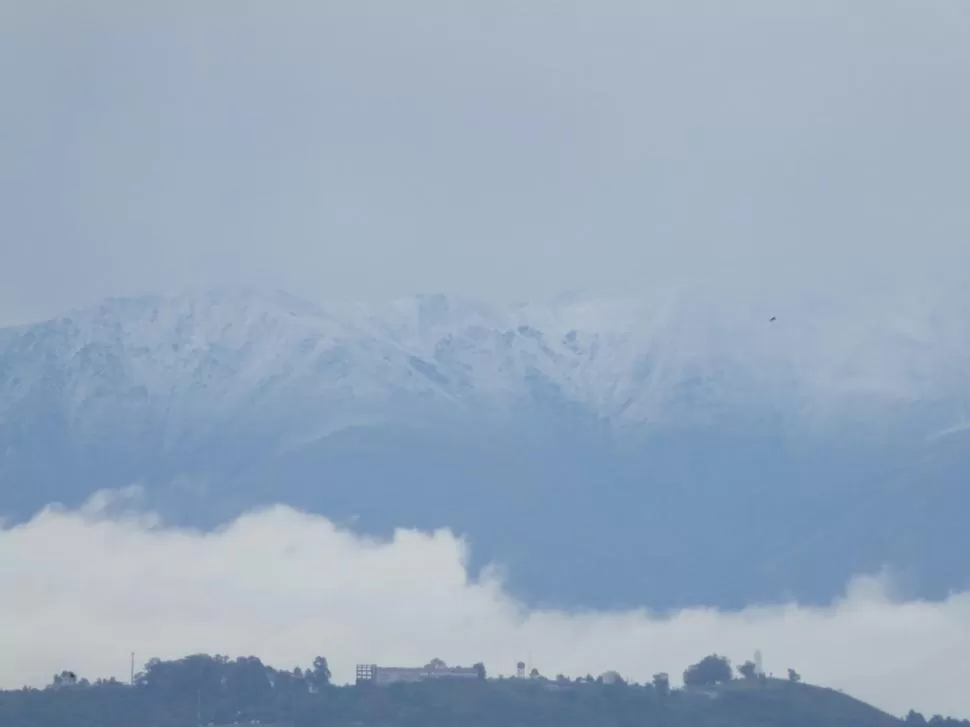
[(772, 319)]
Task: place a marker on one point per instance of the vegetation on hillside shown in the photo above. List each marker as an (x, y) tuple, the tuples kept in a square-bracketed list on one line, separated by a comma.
[(216, 690)]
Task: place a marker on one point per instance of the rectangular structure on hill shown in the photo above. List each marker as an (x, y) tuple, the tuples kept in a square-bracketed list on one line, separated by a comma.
[(436, 669)]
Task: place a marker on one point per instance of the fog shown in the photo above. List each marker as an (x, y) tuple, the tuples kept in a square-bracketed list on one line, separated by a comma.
[(83, 589), (501, 149)]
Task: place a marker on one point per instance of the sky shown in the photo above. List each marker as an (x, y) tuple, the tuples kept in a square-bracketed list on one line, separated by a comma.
[(88, 587), (504, 150)]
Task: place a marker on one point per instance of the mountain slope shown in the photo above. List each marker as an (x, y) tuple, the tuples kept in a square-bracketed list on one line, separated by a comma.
[(676, 449)]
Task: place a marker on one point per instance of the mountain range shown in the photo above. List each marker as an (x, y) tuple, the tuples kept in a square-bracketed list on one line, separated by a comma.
[(679, 448)]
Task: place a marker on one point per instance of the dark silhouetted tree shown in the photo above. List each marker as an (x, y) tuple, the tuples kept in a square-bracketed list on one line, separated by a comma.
[(64, 679), (320, 676), (794, 676), (749, 670), (248, 680), (709, 671), (661, 682)]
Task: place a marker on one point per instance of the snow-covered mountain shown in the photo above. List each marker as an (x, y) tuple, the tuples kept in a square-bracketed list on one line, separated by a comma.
[(676, 412), (216, 355)]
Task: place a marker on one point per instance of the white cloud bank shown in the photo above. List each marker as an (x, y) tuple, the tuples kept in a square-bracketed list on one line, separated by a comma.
[(82, 589)]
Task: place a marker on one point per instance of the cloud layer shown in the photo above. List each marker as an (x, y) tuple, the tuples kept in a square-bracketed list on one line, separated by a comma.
[(84, 588)]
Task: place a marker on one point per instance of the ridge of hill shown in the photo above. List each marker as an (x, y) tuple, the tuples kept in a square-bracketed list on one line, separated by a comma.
[(219, 691)]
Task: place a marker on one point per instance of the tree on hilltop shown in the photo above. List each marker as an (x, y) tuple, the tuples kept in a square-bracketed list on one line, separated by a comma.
[(709, 671)]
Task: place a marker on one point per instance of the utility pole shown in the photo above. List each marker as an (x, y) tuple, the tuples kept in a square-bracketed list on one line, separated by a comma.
[(131, 681)]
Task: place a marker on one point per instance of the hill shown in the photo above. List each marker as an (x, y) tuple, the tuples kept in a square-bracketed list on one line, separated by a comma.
[(215, 690), (638, 423)]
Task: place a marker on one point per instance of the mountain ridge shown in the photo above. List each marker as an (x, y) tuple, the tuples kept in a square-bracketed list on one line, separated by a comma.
[(635, 421), (617, 357)]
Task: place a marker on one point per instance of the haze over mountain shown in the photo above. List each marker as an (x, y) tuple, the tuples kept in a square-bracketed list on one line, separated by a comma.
[(675, 449), (759, 401)]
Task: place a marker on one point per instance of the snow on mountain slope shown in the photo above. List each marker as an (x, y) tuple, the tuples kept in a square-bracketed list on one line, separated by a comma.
[(189, 361), (640, 422)]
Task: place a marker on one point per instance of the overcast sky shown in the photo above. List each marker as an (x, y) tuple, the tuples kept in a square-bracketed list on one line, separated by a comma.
[(501, 149), (85, 588)]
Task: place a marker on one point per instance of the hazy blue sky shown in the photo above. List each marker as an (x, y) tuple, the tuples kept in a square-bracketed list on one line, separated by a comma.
[(497, 148)]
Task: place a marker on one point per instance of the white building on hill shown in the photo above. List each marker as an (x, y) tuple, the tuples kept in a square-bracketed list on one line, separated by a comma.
[(435, 669)]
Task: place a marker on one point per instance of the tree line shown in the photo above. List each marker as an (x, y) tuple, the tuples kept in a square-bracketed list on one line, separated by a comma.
[(207, 690)]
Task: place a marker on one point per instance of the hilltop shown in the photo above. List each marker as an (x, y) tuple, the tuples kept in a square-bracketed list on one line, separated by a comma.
[(218, 691)]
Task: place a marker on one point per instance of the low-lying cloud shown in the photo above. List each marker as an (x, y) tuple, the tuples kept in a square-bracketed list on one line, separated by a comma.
[(81, 589)]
